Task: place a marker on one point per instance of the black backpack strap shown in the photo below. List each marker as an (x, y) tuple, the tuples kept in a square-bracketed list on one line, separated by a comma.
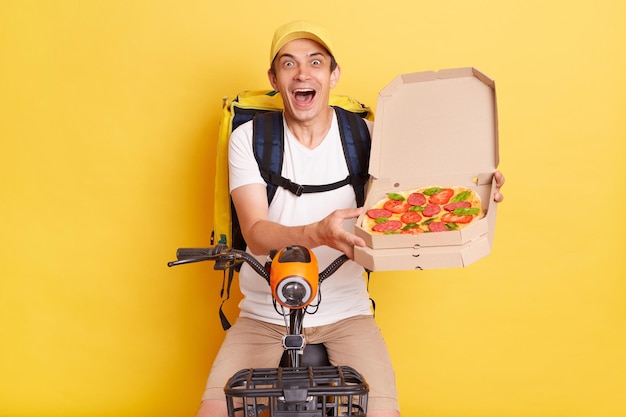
[(368, 290), (226, 283), (356, 140), (268, 143)]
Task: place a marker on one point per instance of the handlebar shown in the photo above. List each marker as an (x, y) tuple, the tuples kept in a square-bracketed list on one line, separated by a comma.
[(226, 257)]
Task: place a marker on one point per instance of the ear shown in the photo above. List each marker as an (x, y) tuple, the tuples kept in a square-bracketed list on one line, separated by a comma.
[(334, 76), (272, 77)]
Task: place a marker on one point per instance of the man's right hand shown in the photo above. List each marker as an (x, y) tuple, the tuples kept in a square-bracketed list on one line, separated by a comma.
[(330, 231)]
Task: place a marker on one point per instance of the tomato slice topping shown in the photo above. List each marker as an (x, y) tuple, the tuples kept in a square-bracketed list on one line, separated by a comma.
[(453, 218), (396, 206), (442, 197), (412, 231), (410, 217)]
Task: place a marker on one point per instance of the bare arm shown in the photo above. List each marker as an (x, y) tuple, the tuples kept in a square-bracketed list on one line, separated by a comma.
[(263, 235)]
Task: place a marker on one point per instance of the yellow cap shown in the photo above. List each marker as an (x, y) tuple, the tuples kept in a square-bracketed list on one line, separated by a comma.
[(299, 29)]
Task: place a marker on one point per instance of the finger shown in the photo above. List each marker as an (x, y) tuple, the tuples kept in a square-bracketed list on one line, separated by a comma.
[(357, 241), (351, 213), (499, 179)]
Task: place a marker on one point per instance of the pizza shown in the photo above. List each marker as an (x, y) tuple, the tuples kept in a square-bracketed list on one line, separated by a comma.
[(426, 209)]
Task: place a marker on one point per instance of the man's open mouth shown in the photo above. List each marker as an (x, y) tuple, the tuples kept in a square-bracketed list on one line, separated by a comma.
[(304, 95)]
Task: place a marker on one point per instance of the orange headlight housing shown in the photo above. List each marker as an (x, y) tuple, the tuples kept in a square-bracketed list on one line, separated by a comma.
[(294, 277)]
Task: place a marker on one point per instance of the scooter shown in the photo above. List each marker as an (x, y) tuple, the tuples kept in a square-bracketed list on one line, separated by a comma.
[(299, 387)]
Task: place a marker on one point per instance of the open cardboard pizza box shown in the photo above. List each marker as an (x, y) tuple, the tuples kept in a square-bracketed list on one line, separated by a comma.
[(433, 129)]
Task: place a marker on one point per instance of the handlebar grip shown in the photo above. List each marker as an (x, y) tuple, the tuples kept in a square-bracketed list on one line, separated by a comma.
[(186, 253)]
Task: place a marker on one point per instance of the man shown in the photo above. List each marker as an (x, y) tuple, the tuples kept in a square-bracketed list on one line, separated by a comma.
[(303, 70)]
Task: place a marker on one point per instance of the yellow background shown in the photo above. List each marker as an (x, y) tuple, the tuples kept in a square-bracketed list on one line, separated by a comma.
[(109, 113)]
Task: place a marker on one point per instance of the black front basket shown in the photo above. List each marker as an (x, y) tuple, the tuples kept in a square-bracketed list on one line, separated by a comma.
[(305, 392)]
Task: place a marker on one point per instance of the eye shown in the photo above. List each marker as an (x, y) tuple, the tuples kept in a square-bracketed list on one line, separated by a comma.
[(316, 62)]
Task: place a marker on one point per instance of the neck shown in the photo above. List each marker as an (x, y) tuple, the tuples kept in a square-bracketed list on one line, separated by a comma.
[(311, 132)]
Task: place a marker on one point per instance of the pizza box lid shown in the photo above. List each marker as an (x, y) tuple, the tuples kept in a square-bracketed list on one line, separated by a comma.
[(435, 123), (434, 128)]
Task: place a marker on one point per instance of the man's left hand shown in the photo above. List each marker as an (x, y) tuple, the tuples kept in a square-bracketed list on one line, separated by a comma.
[(498, 197)]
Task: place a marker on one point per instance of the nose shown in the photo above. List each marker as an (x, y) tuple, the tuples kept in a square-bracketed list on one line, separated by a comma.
[(302, 74)]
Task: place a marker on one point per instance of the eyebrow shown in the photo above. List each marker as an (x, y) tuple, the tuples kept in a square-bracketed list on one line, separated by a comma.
[(312, 54)]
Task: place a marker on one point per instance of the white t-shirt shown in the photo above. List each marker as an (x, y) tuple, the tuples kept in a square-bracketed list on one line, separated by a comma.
[(344, 294)]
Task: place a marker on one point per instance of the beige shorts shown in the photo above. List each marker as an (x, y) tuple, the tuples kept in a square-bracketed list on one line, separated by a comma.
[(355, 342)]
